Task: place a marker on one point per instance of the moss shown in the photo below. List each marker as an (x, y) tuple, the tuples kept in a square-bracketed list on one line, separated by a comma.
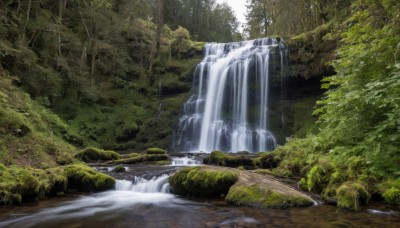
[(255, 196), (264, 172), (162, 162), (94, 154), (390, 190), (155, 151), (131, 155), (200, 182), (351, 195), (22, 184), (119, 169), (141, 158), (223, 159), (84, 178)]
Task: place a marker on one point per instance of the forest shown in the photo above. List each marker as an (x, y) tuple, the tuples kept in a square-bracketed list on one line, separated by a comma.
[(86, 81)]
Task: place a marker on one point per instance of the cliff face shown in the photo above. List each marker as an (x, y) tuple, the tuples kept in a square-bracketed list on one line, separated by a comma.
[(294, 96)]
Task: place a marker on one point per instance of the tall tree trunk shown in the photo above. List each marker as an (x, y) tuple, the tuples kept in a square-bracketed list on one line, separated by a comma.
[(156, 49), (28, 12)]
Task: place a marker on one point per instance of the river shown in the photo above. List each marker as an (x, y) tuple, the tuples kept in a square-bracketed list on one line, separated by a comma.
[(142, 199)]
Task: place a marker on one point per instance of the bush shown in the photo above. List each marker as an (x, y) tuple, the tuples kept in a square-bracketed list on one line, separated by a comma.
[(351, 195)]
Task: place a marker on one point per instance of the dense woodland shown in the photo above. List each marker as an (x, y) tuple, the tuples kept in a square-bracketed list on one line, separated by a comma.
[(114, 74)]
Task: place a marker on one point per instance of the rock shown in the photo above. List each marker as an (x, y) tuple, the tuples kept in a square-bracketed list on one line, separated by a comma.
[(264, 191), (242, 188)]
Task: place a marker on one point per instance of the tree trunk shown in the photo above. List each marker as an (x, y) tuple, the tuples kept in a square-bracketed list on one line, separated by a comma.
[(28, 12), (155, 51)]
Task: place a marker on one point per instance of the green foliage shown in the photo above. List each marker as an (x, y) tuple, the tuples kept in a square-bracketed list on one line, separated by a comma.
[(390, 191), (254, 196), (95, 154), (358, 141), (205, 20), (155, 151), (200, 182), (22, 184), (268, 160), (351, 195), (30, 133)]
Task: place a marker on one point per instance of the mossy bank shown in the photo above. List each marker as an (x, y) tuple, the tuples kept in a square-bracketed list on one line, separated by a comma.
[(238, 187)]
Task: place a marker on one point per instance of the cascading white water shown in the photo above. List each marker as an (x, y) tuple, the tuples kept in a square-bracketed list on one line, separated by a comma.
[(155, 184), (229, 110), (185, 161)]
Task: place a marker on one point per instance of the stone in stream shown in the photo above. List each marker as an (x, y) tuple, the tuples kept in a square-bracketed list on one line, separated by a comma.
[(240, 187)]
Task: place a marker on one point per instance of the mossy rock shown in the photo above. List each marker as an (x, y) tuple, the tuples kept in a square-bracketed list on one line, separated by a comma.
[(222, 159), (141, 158), (351, 195), (155, 151), (24, 184), (256, 196), (202, 182), (119, 169), (94, 154), (85, 179), (131, 155)]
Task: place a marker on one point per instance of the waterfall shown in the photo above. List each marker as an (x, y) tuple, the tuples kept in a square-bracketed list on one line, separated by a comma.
[(156, 184), (229, 109), (185, 161)]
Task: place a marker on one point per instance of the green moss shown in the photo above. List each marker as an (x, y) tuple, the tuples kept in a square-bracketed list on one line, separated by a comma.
[(200, 182), (95, 154), (390, 191), (351, 195), (85, 179), (223, 159), (21, 184), (119, 169), (155, 151), (131, 155), (141, 158), (264, 172), (162, 162), (255, 196)]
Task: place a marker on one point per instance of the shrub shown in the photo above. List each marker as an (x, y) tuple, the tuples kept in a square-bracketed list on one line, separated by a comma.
[(351, 195)]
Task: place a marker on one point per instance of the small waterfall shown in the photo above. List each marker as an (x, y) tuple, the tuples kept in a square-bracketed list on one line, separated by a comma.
[(229, 109), (185, 161), (156, 184)]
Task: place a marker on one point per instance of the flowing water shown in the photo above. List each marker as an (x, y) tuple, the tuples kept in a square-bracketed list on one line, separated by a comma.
[(147, 202), (229, 109)]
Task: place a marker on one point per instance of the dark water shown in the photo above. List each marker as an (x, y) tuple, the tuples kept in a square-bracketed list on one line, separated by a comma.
[(129, 208)]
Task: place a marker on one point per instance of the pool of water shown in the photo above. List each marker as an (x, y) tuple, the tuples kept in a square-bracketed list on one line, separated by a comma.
[(144, 201)]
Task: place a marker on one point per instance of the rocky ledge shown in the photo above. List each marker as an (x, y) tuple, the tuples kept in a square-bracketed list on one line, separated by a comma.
[(239, 187)]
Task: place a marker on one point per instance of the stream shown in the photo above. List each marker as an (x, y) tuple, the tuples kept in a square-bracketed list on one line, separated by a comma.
[(142, 198)]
